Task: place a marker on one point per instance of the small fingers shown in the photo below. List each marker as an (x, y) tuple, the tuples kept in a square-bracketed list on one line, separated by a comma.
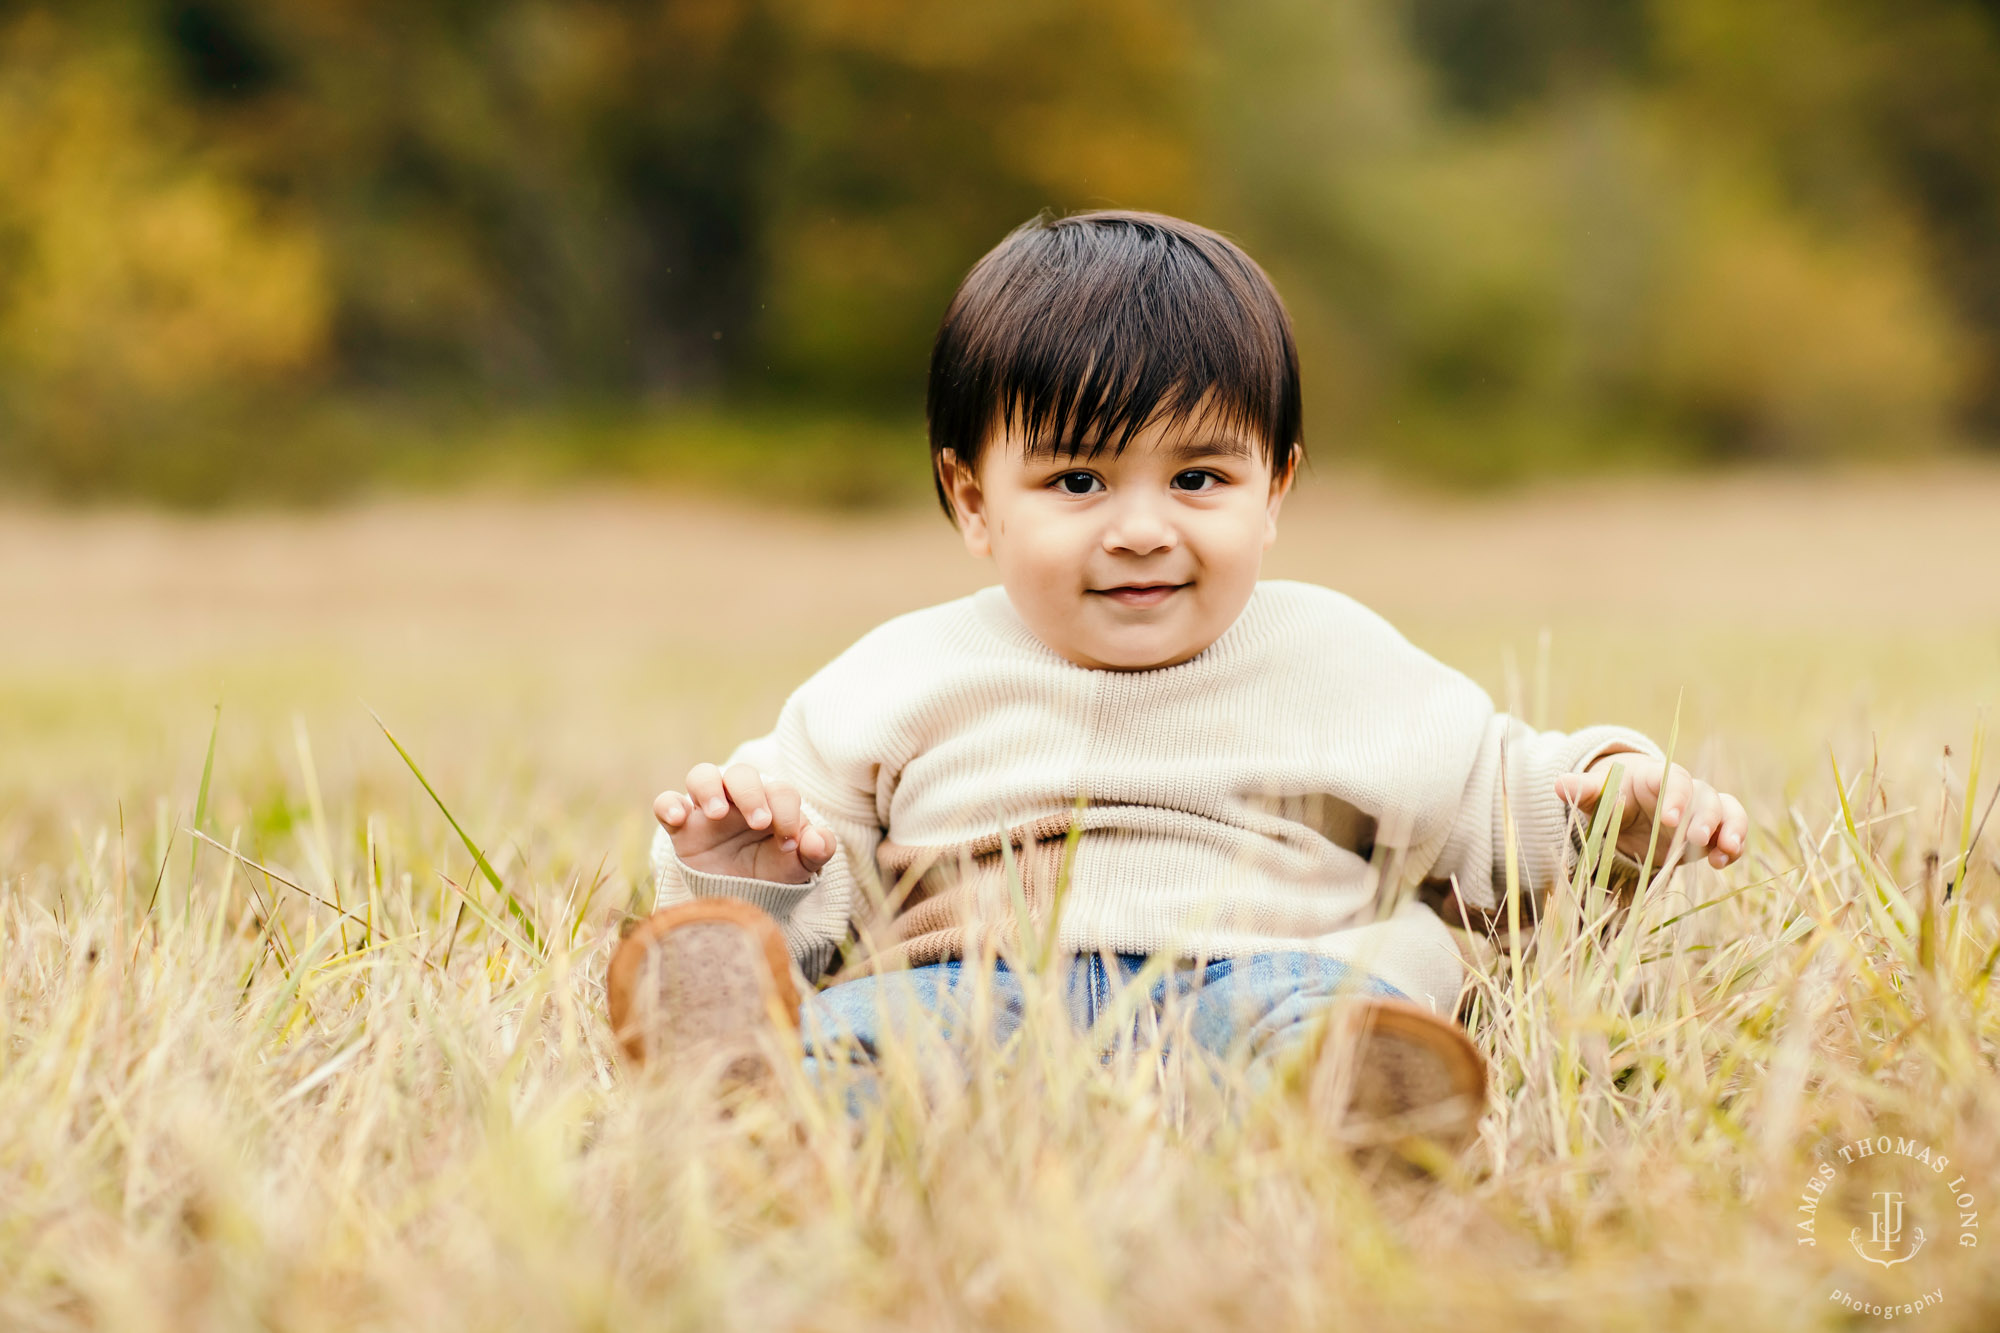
[(1633, 779), (816, 847), (787, 813), (1703, 818), (1581, 789), (1632, 788), (671, 809), (745, 786), (1729, 839), (1675, 790), (705, 791)]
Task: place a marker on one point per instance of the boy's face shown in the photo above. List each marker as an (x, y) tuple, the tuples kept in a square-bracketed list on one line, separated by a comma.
[(1124, 562)]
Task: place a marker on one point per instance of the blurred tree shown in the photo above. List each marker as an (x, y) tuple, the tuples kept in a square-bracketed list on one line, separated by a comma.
[(532, 198), (1495, 56), (139, 276), (917, 134), (1516, 234), (1879, 113), (1563, 265)]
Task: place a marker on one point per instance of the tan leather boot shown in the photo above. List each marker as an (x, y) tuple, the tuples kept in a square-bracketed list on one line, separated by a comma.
[(706, 981), (1391, 1072)]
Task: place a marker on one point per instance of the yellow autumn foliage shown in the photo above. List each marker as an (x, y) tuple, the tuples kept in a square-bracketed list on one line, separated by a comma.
[(136, 267)]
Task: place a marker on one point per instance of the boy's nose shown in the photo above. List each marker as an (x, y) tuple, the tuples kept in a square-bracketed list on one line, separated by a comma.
[(1139, 529)]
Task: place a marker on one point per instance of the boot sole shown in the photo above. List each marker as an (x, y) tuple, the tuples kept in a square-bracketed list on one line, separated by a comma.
[(1399, 1072), (698, 979)]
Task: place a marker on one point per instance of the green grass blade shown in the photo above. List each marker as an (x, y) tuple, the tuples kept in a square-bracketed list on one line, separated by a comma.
[(1966, 836), (201, 806), (1653, 835), (486, 869), (1017, 893), (1895, 915), (1070, 840)]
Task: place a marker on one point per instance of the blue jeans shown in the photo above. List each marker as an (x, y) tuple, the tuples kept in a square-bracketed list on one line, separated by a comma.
[(1252, 1008)]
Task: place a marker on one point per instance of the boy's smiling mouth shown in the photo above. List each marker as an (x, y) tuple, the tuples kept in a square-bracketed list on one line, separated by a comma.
[(1140, 594)]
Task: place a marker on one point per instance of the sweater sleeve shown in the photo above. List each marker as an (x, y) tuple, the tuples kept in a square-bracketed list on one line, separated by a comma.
[(1515, 768), (815, 915)]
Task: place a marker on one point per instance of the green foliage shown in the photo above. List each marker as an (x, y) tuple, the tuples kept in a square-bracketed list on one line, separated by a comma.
[(266, 249)]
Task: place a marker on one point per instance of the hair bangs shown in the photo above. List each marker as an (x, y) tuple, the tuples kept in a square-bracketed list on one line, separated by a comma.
[(1075, 334)]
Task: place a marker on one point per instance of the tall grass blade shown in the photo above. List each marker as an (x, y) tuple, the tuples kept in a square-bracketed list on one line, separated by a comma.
[(201, 806), (1967, 836), (486, 869)]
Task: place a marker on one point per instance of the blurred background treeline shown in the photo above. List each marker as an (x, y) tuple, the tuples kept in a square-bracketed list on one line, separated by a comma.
[(285, 248)]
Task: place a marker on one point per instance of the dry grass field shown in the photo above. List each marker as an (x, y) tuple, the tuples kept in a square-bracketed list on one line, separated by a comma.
[(274, 1054)]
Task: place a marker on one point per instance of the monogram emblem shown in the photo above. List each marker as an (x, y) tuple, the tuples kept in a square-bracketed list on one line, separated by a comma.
[(1886, 1233)]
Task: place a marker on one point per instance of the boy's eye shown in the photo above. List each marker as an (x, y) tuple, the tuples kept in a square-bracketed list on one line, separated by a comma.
[(1077, 483), (1196, 479)]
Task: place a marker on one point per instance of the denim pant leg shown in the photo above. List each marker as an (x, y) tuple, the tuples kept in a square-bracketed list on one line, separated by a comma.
[(849, 1022), (1258, 1007), (858, 1016)]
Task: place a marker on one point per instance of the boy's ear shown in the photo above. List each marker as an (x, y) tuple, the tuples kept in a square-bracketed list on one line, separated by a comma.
[(1281, 486), (968, 502)]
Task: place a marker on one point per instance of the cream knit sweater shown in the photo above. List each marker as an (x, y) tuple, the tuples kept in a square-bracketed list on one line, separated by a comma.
[(1286, 789)]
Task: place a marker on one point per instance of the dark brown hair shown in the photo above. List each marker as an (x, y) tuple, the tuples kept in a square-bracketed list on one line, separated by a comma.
[(1083, 329)]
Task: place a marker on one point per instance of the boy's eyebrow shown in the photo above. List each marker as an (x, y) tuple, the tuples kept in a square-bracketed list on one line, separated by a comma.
[(1227, 446)]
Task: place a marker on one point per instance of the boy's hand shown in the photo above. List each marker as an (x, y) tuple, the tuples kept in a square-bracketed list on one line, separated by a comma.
[(1716, 821), (744, 824)]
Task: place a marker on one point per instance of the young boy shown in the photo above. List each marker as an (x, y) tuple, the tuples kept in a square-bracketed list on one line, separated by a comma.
[(1264, 773)]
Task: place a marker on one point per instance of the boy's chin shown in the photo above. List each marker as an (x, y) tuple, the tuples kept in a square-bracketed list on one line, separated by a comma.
[(1140, 653)]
